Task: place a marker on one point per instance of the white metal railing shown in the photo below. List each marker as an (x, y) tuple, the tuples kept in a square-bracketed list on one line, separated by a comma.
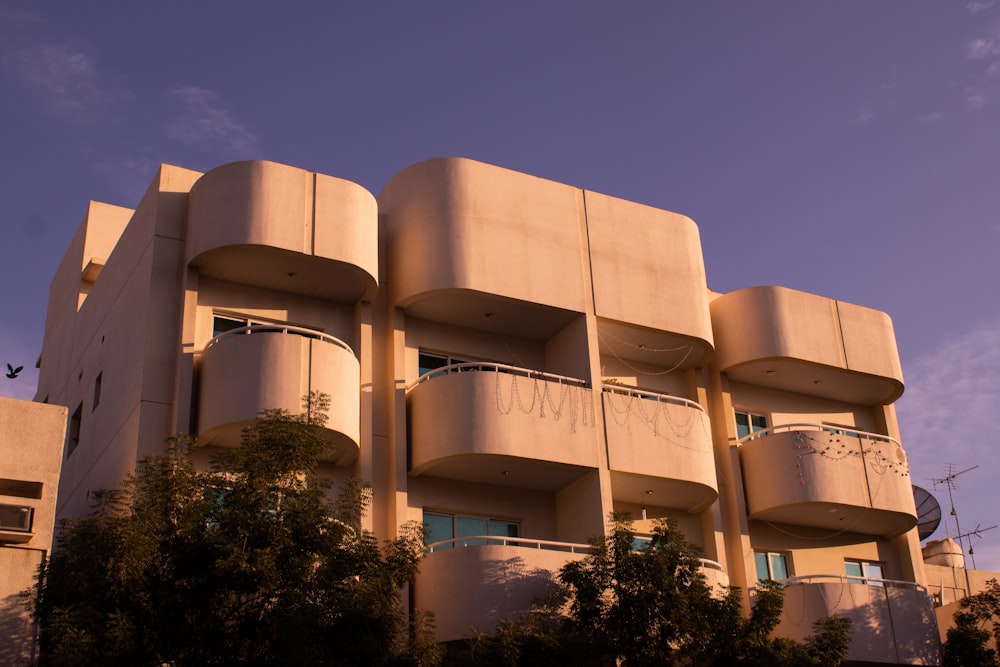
[(710, 564), (282, 329), (651, 395), (832, 430), (498, 540), (847, 579), (480, 366)]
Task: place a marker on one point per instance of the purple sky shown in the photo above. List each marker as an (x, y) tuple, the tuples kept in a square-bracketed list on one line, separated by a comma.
[(849, 148)]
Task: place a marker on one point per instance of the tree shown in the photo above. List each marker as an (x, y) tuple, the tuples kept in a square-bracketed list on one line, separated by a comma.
[(248, 563), (966, 643), (651, 606)]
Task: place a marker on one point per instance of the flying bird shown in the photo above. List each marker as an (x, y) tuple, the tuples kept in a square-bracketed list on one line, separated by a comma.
[(12, 372)]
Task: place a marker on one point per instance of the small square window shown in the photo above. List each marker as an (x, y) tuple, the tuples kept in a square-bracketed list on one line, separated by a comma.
[(771, 566)]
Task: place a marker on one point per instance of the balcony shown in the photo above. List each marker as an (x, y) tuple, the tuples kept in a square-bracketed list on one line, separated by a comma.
[(496, 424), (277, 227), (793, 341), (15, 524), (836, 479), (474, 582), (662, 444), (891, 621), (259, 367)]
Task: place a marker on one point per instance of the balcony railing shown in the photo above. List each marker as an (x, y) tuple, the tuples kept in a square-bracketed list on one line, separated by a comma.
[(666, 440), (828, 477), (892, 621), (472, 367), (272, 366), (495, 540), (281, 329), (538, 423)]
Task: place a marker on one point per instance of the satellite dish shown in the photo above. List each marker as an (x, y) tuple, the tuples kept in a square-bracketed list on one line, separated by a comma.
[(928, 512)]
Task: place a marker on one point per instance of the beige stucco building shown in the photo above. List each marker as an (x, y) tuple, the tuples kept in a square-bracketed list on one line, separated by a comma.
[(508, 357), (31, 448)]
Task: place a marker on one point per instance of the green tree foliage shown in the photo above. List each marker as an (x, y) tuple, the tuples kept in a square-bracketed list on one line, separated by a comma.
[(249, 563), (620, 606), (966, 642)]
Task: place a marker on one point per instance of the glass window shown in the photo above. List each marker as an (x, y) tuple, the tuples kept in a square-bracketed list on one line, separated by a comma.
[(864, 572), (439, 527), (428, 361), (222, 324), (770, 565), (747, 423)]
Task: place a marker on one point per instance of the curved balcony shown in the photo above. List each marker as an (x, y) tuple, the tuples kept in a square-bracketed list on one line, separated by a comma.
[(794, 341), (494, 578), (891, 621), (277, 227), (630, 270), (260, 367), (456, 227), (838, 479), (659, 443), (497, 424)]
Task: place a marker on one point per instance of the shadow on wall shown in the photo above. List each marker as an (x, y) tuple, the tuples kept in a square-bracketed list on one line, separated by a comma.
[(17, 632), (889, 624), (510, 588)]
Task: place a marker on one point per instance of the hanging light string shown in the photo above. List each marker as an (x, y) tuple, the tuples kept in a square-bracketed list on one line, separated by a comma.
[(575, 400), (689, 349), (623, 406)]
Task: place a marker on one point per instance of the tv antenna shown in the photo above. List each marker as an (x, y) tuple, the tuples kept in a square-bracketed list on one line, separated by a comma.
[(948, 481)]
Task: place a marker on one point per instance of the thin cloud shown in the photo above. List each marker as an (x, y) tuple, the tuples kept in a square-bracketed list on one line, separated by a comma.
[(64, 76), (976, 6), (931, 117), (863, 117), (205, 125), (948, 413), (984, 46), (975, 100)]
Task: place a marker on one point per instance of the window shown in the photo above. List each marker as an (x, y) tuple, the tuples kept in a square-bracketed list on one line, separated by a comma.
[(97, 391), (862, 572), (73, 437), (442, 527), (748, 422), (770, 565), (429, 361), (20, 488)]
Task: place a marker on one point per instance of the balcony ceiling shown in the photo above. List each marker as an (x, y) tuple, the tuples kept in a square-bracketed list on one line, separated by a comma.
[(662, 349), (838, 517), (506, 471), (507, 317), (286, 271), (802, 377)]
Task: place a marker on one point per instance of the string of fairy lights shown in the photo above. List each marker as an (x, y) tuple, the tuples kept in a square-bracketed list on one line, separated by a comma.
[(572, 399)]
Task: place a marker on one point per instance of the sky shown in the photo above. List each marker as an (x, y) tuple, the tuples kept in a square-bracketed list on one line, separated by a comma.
[(847, 148)]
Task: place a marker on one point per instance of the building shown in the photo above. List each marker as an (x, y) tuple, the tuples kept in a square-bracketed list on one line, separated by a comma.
[(31, 447), (509, 358)]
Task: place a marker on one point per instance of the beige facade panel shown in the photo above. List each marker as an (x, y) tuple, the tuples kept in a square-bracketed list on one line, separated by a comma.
[(501, 428), (455, 224), (662, 447), (824, 480), (647, 268), (278, 227), (891, 622), (242, 374), (785, 339)]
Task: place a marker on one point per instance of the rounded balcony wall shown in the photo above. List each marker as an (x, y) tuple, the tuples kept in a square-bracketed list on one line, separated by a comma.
[(456, 224), (492, 424), (648, 268), (246, 371), (477, 586), (278, 227), (805, 475), (660, 443), (794, 341)]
